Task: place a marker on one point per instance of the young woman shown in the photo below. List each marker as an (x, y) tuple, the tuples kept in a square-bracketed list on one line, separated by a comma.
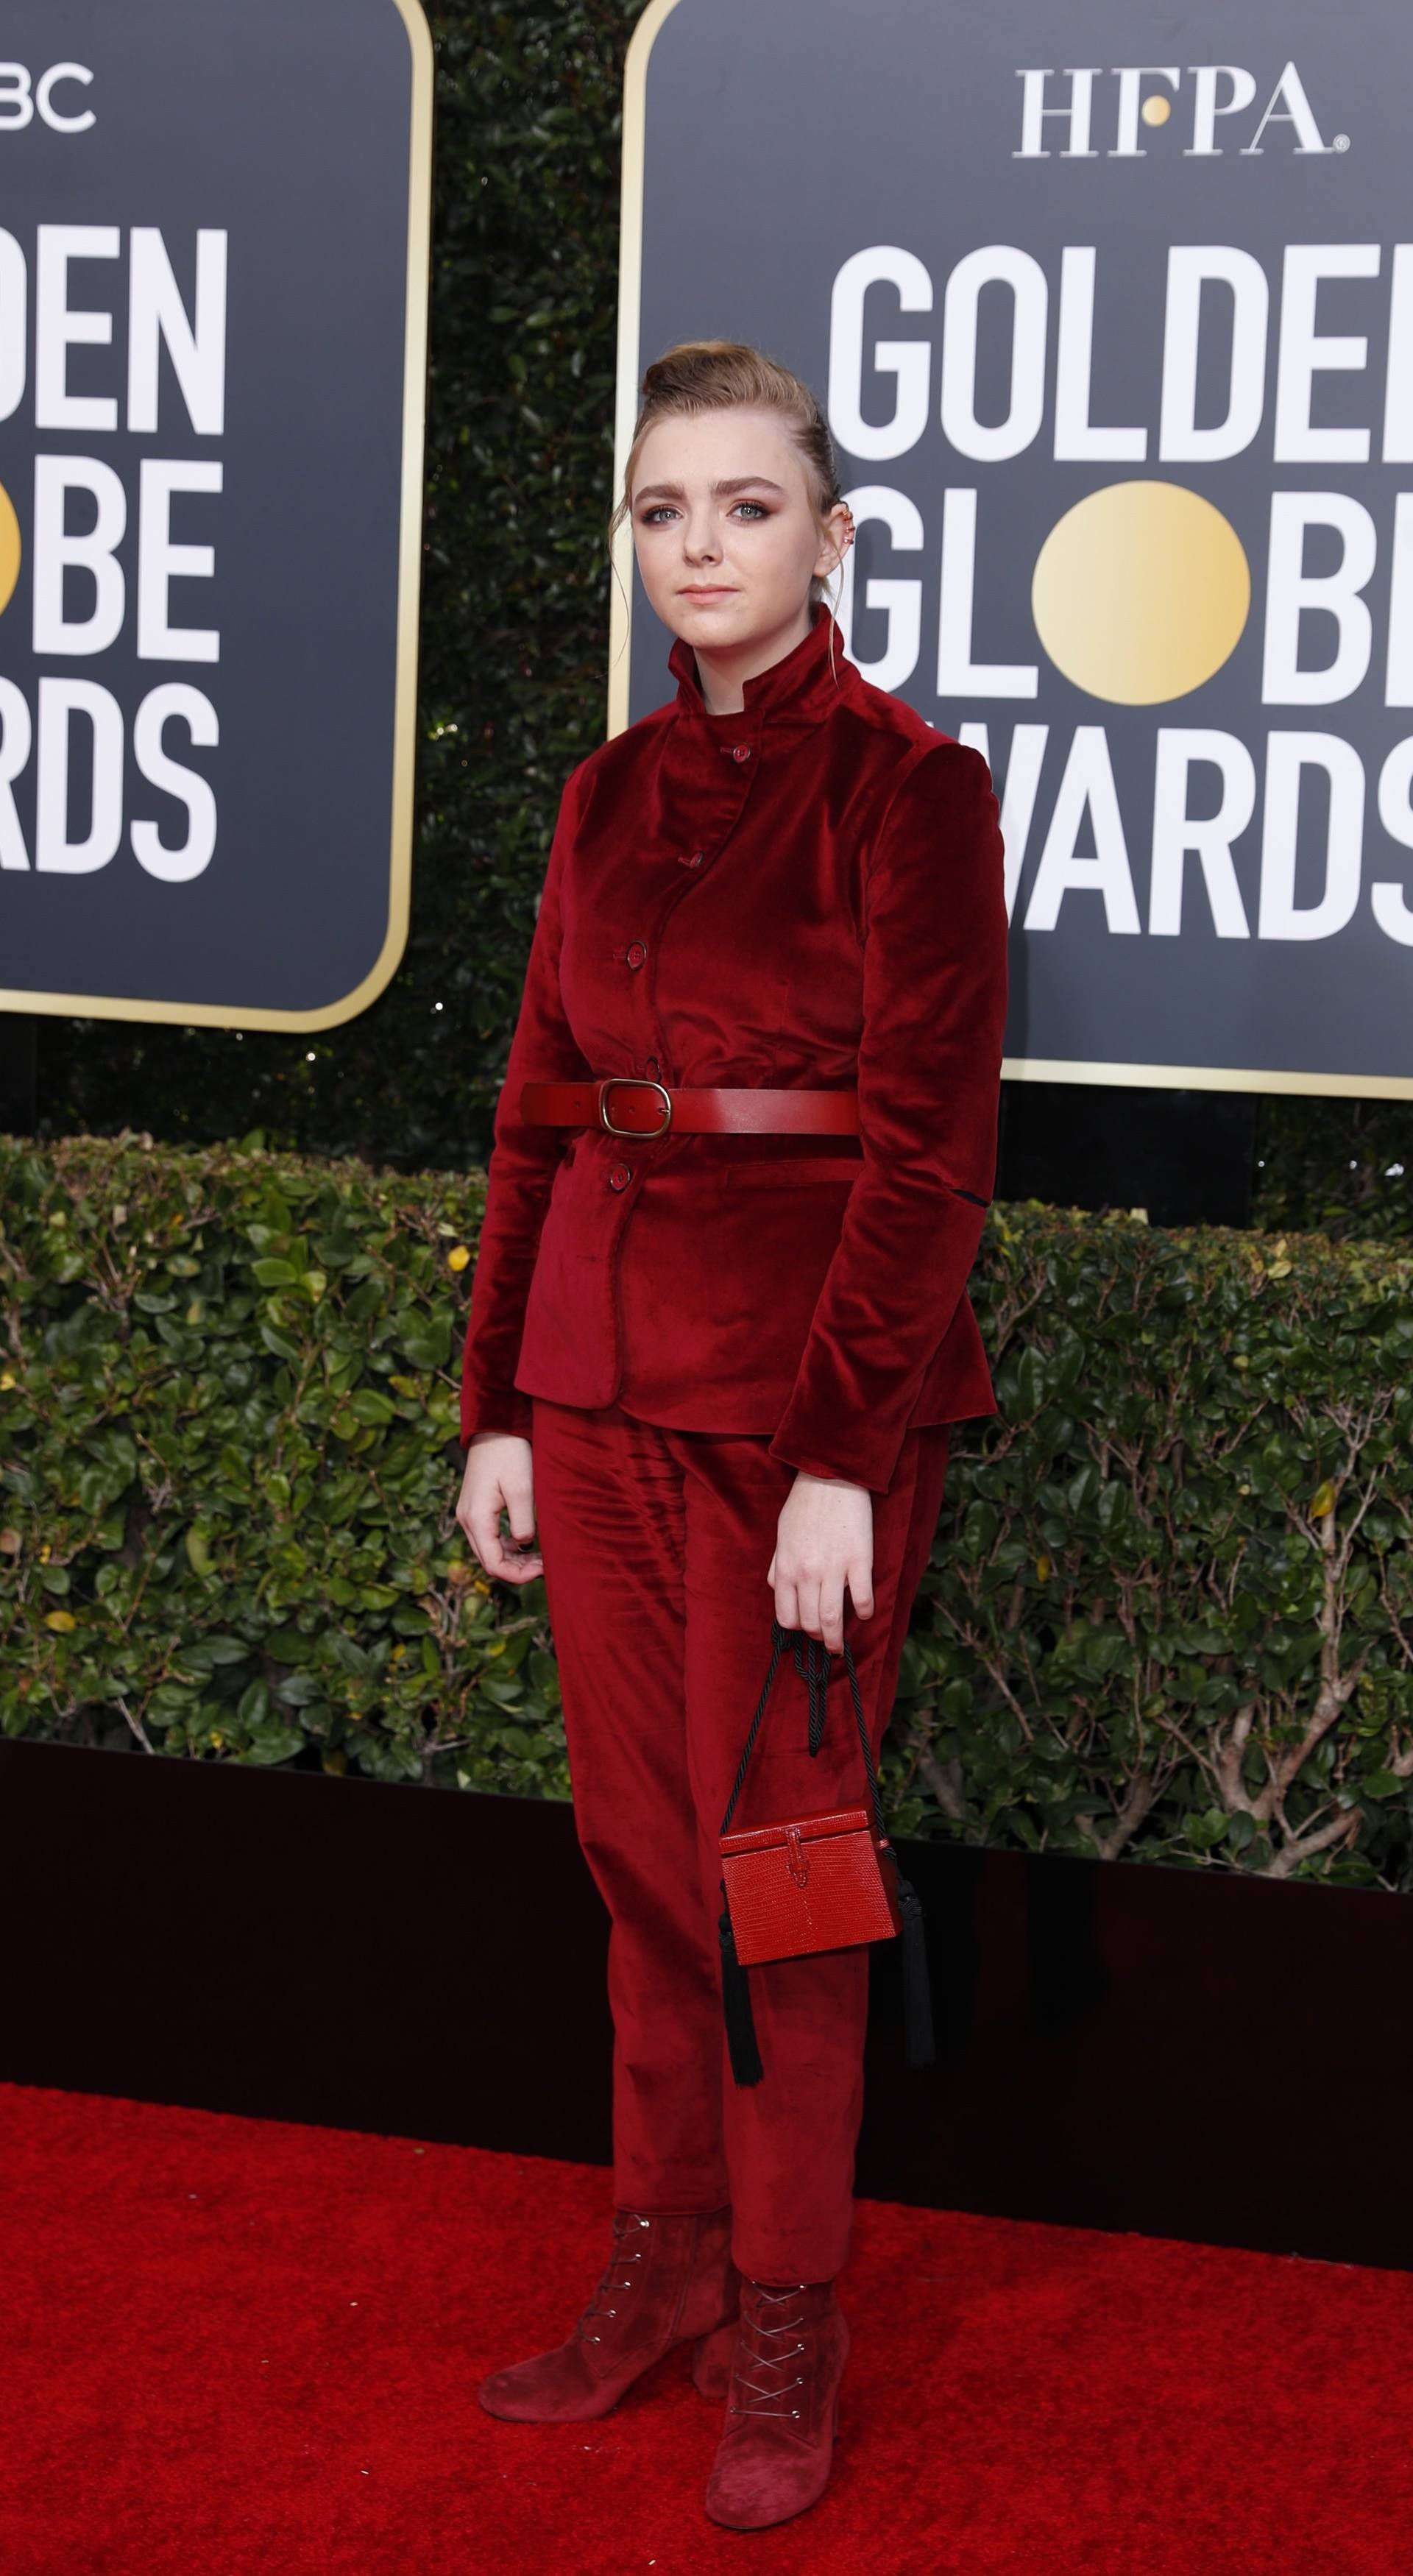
[(718, 1331)]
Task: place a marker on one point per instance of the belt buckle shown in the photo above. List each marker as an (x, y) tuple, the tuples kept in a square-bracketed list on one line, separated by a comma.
[(642, 1083)]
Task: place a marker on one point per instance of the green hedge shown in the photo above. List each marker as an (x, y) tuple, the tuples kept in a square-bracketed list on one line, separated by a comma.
[(1169, 1613)]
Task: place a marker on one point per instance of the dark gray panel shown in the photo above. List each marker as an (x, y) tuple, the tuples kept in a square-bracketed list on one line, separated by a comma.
[(289, 127), (780, 141)]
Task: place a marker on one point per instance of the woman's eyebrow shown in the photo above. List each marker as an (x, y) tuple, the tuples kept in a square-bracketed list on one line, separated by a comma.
[(732, 483)]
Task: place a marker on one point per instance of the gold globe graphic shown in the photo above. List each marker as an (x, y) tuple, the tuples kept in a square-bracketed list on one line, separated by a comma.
[(1141, 592), (9, 548)]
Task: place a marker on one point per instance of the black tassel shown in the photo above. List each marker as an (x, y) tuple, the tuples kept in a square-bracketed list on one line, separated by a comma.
[(919, 2038), (736, 2005)]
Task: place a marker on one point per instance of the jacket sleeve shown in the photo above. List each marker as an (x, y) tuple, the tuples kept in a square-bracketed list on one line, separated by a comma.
[(935, 982), (521, 1169)]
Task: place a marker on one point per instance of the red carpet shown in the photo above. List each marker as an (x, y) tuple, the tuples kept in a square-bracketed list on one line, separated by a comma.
[(237, 2348)]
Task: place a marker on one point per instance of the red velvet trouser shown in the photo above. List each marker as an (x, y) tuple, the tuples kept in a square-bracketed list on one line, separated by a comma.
[(655, 1546)]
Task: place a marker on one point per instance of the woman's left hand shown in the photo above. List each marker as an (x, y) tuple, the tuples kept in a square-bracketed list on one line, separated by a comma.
[(824, 1540)]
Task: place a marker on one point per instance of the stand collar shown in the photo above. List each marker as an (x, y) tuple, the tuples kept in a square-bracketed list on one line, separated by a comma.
[(799, 689)]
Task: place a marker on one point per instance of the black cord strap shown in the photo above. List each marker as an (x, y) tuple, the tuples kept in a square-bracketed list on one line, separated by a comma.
[(812, 1661)]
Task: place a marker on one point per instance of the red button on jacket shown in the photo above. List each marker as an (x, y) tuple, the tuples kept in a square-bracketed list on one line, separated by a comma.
[(851, 929)]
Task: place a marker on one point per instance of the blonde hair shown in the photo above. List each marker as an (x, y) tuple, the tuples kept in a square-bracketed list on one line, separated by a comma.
[(714, 375)]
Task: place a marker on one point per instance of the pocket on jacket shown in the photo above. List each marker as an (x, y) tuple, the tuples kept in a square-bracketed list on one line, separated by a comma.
[(791, 1171)]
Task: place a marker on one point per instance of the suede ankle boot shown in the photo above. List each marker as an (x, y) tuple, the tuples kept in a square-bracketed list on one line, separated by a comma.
[(668, 2281), (774, 2456)]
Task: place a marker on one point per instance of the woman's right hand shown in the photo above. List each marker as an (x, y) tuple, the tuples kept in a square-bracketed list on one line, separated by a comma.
[(499, 1476)]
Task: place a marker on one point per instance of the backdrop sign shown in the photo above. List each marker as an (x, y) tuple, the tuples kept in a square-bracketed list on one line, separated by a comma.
[(213, 280), (1118, 356)]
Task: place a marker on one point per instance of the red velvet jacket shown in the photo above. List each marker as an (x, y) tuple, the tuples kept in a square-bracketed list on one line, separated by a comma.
[(808, 893)]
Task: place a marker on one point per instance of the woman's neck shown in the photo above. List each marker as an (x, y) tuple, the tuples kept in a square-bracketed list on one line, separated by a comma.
[(721, 676)]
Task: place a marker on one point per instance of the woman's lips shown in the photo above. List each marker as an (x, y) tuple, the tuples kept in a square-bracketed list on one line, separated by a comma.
[(708, 590)]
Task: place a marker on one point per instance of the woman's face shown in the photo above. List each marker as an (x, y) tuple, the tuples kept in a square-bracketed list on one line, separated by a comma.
[(726, 538)]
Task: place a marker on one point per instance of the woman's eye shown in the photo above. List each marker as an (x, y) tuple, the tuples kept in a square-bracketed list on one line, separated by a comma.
[(653, 514)]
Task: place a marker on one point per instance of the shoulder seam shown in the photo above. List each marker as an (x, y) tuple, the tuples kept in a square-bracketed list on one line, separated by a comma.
[(919, 753), (907, 769)]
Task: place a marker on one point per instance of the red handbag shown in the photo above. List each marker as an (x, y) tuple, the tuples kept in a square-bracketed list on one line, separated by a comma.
[(825, 1881)]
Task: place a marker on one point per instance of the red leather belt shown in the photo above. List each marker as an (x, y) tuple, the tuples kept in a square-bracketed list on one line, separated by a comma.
[(616, 1102)]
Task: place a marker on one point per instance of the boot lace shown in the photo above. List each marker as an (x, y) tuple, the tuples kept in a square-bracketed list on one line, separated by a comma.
[(618, 2272), (771, 2353)]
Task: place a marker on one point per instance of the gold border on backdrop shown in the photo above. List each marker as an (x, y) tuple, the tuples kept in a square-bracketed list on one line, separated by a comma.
[(630, 290), (1014, 1068), (107, 1006)]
